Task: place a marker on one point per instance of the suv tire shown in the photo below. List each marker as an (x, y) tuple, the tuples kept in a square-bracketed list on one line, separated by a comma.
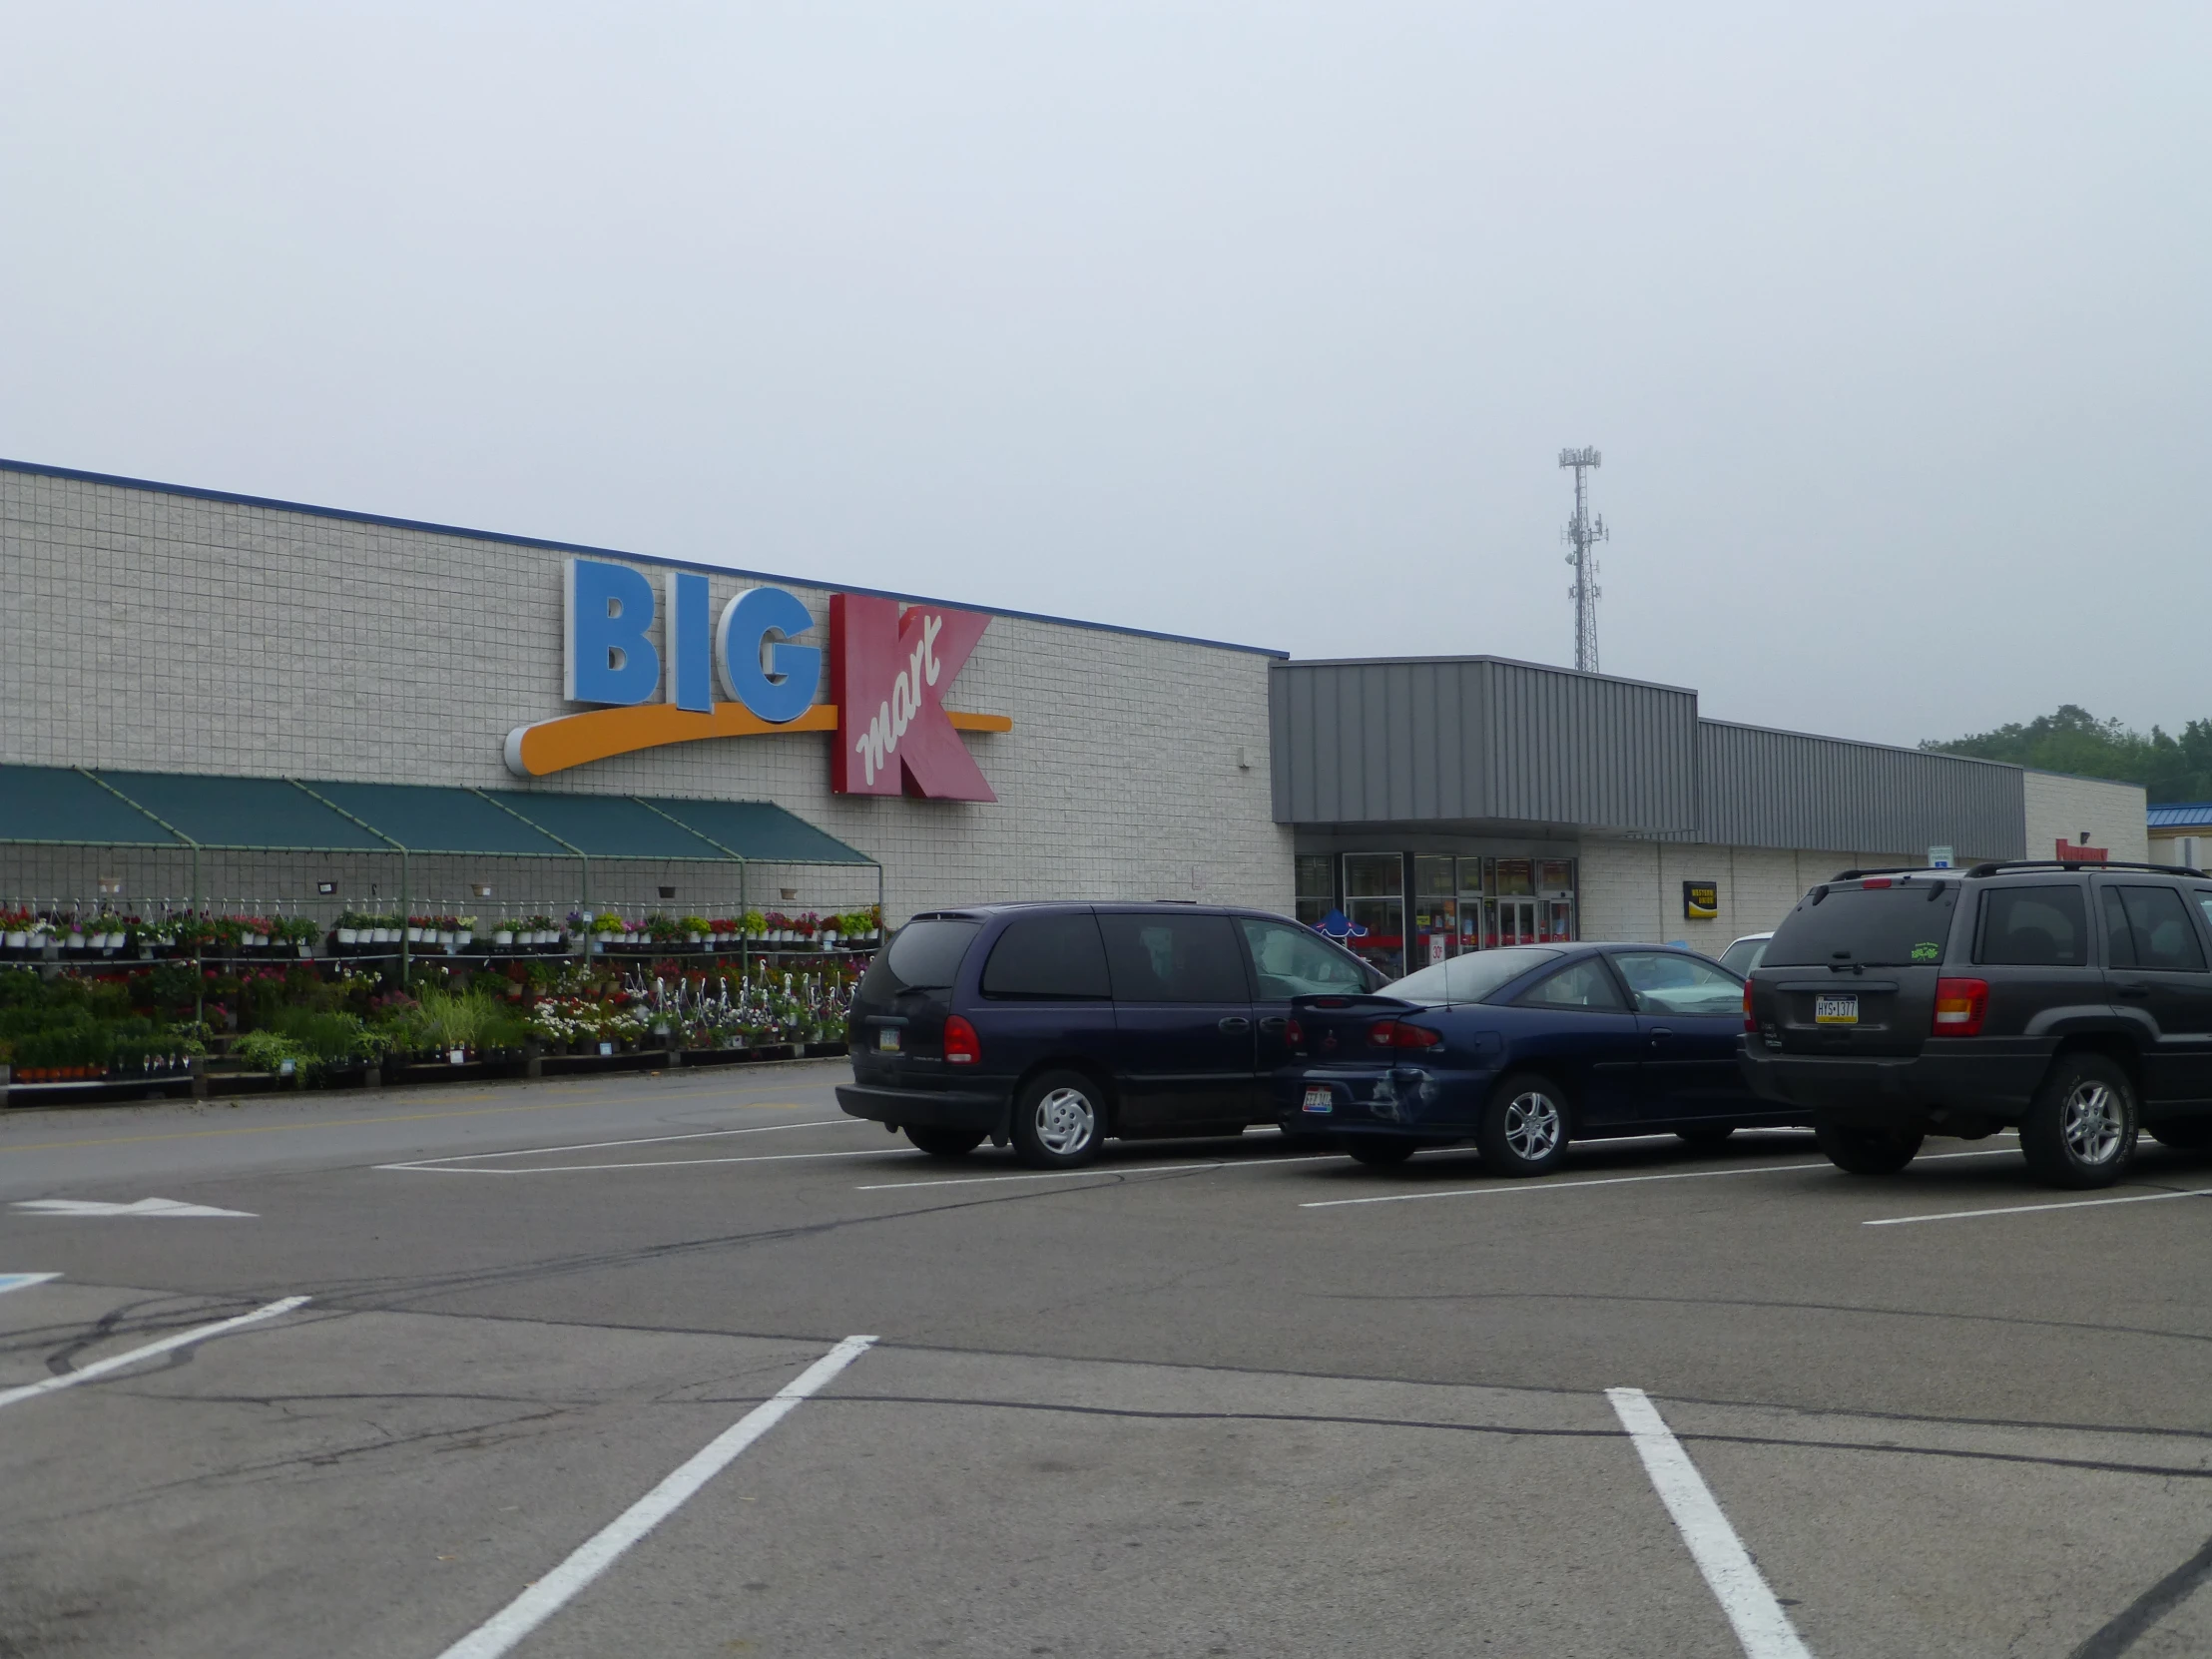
[(1524, 1127), (944, 1143), (1868, 1151), (1059, 1121), (2080, 1129)]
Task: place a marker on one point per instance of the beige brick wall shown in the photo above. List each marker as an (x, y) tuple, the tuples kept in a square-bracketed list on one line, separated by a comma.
[(151, 630), (2061, 808), (1632, 889)]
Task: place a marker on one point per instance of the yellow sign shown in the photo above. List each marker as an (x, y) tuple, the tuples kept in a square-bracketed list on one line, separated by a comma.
[(1701, 900)]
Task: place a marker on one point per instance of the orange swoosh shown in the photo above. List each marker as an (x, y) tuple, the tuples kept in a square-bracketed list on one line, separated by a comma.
[(573, 740)]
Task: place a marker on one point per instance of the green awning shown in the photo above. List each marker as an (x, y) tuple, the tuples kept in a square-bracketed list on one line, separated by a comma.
[(758, 831), (609, 826), (424, 817), (60, 807), (260, 814)]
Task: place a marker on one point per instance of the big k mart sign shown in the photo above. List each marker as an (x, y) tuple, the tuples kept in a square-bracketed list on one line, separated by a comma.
[(742, 674)]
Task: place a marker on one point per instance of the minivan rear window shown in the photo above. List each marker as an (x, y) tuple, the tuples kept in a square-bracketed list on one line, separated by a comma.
[(923, 956), (1892, 927)]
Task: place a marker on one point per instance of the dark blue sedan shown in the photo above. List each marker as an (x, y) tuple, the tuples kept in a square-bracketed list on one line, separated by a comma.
[(1521, 1050)]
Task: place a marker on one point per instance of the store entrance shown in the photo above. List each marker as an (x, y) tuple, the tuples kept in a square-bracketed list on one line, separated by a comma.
[(1517, 921)]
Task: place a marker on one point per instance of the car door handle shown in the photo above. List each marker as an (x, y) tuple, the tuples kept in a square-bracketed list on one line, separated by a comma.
[(1659, 1031), (1235, 1023), (2132, 991), (1274, 1025)]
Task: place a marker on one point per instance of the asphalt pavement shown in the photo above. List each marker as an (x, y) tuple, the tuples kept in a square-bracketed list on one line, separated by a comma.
[(566, 1368)]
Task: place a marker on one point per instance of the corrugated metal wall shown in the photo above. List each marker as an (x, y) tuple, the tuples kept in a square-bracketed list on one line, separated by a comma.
[(1784, 788), (1480, 738)]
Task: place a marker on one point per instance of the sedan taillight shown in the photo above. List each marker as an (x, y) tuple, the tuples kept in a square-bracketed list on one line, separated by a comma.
[(1960, 1007), (1395, 1033)]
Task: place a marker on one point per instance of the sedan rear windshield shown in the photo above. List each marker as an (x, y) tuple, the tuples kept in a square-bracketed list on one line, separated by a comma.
[(1890, 926), (923, 956), (1470, 978)]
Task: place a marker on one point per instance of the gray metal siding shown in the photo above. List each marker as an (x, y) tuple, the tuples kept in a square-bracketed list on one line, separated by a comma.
[(1784, 788), (1479, 738)]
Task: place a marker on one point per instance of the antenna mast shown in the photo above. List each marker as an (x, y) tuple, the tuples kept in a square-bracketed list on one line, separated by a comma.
[(1584, 532)]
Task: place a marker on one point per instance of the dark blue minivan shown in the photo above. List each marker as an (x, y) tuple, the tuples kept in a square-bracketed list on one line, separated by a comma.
[(1056, 1025)]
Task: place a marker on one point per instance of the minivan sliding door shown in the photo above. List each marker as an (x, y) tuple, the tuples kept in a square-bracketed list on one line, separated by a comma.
[(1183, 1020)]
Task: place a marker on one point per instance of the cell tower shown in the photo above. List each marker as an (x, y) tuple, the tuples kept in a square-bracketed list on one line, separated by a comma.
[(1583, 533)]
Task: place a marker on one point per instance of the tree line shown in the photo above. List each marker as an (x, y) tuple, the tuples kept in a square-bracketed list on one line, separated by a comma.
[(2169, 768)]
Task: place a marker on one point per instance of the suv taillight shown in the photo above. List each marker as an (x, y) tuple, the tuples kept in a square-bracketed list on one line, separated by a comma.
[(1294, 1034), (960, 1045), (1750, 1025), (1960, 1007), (1391, 1033)]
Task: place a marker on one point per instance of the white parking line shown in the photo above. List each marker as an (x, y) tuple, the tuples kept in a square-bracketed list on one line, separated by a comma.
[(182, 1339), (18, 1281), (596, 1555), (1760, 1626), (1103, 1169), (1611, 1181), (642, 1140), (2036, 1209), (660, 1162)]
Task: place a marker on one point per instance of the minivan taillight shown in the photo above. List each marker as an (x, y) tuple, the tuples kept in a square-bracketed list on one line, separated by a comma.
[(1391, 1033), (960, 1045), (1960, 1007)]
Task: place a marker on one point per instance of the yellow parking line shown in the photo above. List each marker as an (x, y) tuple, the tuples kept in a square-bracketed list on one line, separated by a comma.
[(356, 1123)]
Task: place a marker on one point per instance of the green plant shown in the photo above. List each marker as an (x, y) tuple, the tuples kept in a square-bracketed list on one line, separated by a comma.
[(268, 1050)]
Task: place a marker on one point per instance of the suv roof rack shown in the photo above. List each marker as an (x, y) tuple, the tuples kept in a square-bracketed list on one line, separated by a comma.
[(2001, 866), (1899, 869)]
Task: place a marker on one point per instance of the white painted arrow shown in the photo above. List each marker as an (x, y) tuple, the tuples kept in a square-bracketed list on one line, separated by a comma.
[(16, 1281), (144, 1207)]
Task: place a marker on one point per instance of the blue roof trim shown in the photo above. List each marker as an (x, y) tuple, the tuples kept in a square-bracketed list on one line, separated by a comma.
[(230, 498), (2177, 812)]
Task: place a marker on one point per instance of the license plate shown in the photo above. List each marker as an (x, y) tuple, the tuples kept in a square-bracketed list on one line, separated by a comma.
[(1320, 1100), (1834, 1011), (887, 1039)]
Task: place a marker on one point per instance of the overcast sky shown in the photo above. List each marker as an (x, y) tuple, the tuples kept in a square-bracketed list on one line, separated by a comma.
[(1262, 323)]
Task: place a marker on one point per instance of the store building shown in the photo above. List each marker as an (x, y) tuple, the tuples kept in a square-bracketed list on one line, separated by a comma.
[(1447, 804), (595, 720)]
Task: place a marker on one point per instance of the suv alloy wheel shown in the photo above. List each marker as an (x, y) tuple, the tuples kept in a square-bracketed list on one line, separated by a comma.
[(2080, 1130)]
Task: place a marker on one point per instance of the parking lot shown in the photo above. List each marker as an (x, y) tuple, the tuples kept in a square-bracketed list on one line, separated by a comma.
[(1205, 1397)]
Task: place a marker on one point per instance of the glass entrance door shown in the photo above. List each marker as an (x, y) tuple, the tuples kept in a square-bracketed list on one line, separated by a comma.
[(1517, 921)]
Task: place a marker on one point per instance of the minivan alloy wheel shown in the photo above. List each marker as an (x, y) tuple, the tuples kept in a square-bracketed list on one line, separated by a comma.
[(2093, 1122), (1065, 1122)]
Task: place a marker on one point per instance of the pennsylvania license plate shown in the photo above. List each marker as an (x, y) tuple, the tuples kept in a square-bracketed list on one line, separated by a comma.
[(1834, 1011), (887, 1039), (1320, 1100)]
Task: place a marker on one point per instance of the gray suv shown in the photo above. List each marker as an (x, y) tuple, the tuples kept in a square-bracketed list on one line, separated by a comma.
[(2070, 1001)]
